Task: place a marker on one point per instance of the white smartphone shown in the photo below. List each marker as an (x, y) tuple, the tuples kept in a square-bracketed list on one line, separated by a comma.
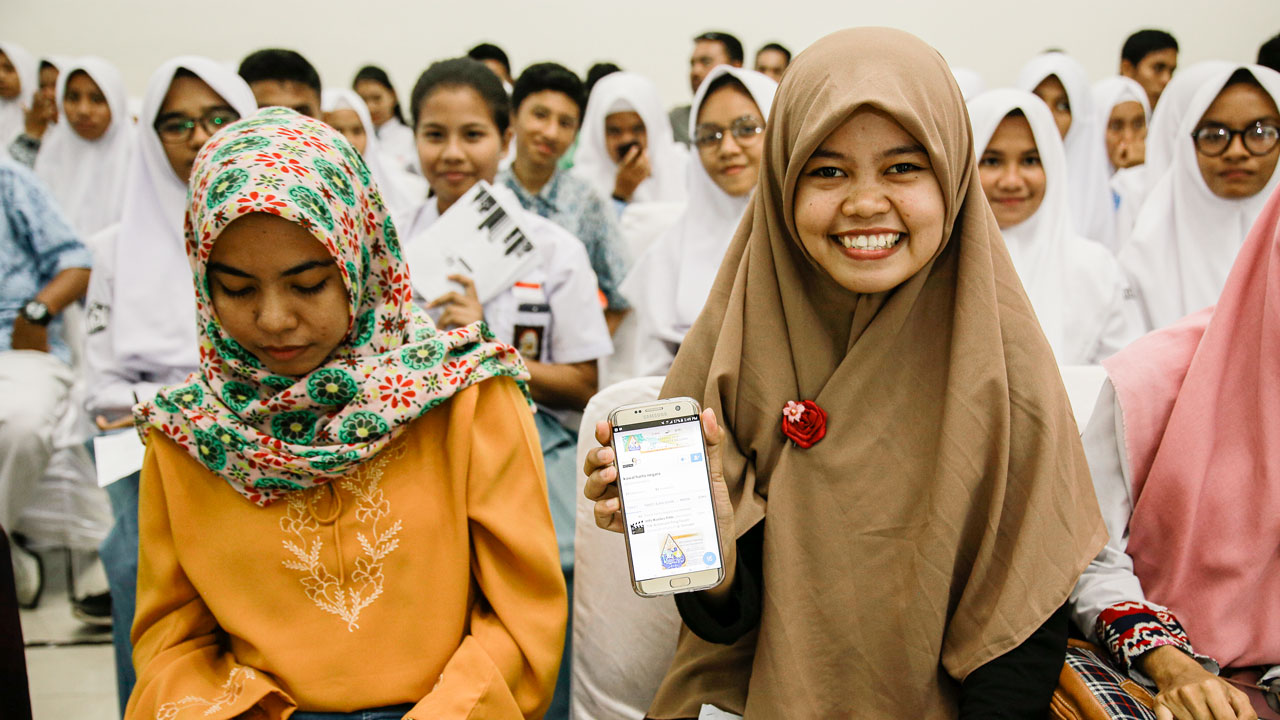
[(664, 483)]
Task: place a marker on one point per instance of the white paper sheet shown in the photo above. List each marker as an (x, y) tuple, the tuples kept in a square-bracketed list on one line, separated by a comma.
[(117, 455), (478, 237)]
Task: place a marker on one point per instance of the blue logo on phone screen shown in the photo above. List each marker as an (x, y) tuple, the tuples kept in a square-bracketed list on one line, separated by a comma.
[(696, 457), (709, 559)]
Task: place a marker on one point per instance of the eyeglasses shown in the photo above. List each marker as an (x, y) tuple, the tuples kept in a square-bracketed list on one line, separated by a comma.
[(1213, 140), (178, 128), (745, 129)]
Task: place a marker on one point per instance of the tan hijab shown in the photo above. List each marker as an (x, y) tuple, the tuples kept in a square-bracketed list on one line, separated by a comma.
[(948, 511)]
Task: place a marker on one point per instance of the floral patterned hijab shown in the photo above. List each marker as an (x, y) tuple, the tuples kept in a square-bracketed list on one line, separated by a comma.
[(268, 435)]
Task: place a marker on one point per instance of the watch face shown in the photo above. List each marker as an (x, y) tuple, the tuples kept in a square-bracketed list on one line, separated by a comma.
[(36, 312)]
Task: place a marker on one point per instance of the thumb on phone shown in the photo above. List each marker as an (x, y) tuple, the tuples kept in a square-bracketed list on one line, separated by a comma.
[(713, 435)]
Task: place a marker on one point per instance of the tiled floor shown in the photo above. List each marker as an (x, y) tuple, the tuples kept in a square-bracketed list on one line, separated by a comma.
[(69, 664)]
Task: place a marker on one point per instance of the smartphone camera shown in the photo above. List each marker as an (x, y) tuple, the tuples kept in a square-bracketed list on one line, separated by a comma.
[(678, 408), (625, 148)]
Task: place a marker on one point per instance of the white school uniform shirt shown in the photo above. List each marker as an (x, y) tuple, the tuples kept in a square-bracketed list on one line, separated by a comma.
[(1186, 238), (1089, 193), (142, 305), (1107, 94), (1076, 287), (1133, 185), (115, 382), (399, 144), (87, 177), (552, 313), (13, 112), (401, 191), (670, 282), (631, 92)]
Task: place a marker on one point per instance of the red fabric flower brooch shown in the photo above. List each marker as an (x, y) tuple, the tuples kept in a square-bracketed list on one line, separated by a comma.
[(804, 422)]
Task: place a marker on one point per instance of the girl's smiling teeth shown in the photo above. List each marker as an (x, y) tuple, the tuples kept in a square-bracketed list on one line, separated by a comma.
[(877, 241)]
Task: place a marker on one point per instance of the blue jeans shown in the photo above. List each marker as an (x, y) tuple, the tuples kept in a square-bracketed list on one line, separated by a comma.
[(393, 712), (119, 553)]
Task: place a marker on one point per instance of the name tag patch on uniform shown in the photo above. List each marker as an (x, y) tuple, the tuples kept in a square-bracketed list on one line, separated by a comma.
[(533, 317), (529, 341)]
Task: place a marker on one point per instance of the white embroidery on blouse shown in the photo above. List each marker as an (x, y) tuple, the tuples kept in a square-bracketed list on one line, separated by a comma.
[(337, 594), (231, 691)]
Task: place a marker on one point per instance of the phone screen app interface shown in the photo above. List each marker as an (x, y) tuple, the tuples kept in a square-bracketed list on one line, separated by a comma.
[(670, 516)]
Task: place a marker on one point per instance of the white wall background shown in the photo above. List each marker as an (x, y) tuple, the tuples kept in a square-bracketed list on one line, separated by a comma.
[(649, 36)]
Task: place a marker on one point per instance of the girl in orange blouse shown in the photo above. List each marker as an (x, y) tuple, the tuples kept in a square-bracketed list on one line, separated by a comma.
[(343, 509)]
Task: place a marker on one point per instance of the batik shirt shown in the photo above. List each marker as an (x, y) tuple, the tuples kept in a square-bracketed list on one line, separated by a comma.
[(36, 243), (571, 203)]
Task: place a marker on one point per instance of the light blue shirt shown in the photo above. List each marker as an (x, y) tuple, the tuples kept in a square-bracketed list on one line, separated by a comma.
[(36, 243)]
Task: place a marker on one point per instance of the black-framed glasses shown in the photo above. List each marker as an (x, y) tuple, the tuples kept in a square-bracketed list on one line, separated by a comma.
[(1259, 138), (178, 128), (745, 129)]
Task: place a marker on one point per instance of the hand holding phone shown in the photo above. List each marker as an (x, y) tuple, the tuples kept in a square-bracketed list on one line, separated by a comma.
[(602, 488)]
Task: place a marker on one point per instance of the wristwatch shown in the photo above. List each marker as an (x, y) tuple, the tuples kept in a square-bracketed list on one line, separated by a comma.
[(36, 313)]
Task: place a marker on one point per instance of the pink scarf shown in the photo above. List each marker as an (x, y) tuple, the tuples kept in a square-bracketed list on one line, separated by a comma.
[(1201, 404)]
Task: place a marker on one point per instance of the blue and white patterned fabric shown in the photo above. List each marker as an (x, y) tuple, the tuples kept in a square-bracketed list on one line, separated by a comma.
[(571, 203), (36, 243)]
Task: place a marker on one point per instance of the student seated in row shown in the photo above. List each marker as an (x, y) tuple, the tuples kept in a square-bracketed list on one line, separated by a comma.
[(84, 158), (141, 306), (1221, 171), (283, 78), (896, 467), (43, 269), (626, 151), (1184, 464), (1079, 292), (670, 282), (548, 101), (402, 191), (1062, 83), (374, 87), (552, 314), (343, 510)]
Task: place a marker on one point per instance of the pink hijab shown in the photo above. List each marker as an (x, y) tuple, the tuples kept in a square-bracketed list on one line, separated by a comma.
[(1201, 404)]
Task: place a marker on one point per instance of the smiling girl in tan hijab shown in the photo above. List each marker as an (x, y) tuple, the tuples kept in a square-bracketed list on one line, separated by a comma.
[(939, 525)]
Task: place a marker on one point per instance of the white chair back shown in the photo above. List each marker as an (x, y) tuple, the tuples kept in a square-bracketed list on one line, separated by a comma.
[(622, 643)]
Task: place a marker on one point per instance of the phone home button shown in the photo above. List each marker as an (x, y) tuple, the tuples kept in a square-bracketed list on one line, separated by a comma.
[(679, 582)]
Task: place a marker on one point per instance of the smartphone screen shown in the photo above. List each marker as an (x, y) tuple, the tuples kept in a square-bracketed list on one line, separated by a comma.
[(666, 500)]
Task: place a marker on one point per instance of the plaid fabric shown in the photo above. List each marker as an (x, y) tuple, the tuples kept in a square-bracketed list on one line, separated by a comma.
[(1106, 685)]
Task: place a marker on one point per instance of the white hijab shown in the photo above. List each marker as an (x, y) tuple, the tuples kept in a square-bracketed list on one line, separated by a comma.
[(621, 92), (1089, 193), (970, 81), (1131, 186), (154, 307), (1107, 94), (401, 192), (13, 113), (686, 257), (1186, 238), (1041, 245), (87, 177)]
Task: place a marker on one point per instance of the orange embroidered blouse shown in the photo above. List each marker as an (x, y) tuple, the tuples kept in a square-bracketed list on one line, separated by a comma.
[(430, 575)]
